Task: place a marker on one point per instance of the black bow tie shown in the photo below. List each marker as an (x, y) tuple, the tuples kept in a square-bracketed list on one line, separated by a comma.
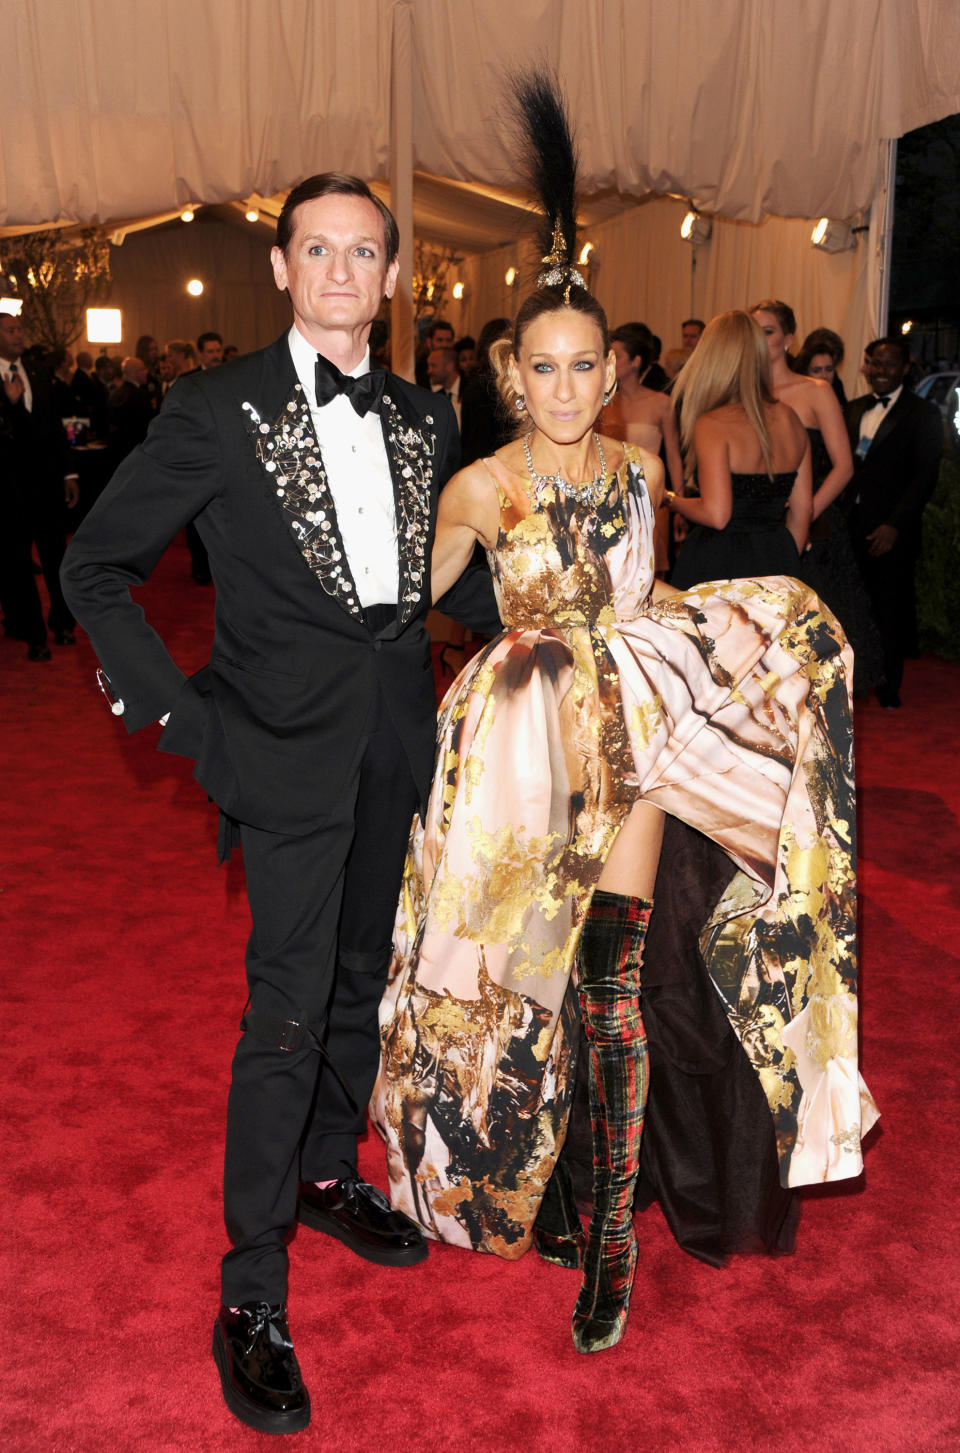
[(879, 399), (364, 393)]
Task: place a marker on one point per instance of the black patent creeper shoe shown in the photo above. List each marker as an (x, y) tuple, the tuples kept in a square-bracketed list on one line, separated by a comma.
[(360, 1216), (258, 1368)]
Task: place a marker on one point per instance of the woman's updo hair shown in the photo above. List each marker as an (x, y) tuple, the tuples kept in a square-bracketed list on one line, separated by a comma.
[(558, 298), (821, 340), (781, 311)]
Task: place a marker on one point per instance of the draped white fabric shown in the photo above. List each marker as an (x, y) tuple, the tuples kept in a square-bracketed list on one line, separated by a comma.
[(122, 108)]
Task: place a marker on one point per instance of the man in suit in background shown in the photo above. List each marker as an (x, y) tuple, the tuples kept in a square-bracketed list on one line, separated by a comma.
[(210, 350), (438, 335), (690, 331), (35, 483), (89, 387), (314, 483), (897, 440), (129, 410), (444, 376)]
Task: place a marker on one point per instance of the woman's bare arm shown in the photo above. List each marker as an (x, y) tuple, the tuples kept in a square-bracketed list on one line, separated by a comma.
[(715, 503), (468, 511), (800, 503)]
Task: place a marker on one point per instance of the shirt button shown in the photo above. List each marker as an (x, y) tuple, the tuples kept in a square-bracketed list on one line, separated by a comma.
[(378, 645), (360, 510), (366, 570), (353, 448)]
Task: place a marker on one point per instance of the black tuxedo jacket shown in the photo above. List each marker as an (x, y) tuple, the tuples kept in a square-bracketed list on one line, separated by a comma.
[(899, 473), (275, 718), (34, 451)]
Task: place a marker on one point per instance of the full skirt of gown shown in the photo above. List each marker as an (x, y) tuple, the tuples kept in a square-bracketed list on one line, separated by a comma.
[(727, 707)]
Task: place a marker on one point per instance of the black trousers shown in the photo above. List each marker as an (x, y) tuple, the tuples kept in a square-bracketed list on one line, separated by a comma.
[(323, 910), (891, 586), (27, 523)]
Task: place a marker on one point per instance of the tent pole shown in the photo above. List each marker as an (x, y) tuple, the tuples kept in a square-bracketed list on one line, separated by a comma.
[(886, 239), (401, 186)]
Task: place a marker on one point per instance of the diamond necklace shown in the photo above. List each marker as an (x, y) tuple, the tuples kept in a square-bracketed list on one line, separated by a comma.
[(590, 493)]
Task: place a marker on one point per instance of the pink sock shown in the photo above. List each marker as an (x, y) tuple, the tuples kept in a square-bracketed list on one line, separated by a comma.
[(322, 1185)]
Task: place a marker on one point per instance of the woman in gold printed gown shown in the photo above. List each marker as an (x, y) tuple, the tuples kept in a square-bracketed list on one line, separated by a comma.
[(608, 701)]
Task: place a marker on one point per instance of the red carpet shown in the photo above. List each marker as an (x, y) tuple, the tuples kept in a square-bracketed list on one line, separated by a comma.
[(122, 975)]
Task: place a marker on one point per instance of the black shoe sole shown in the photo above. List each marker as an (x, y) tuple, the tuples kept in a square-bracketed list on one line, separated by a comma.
[(248, 1412), (380, 1255)]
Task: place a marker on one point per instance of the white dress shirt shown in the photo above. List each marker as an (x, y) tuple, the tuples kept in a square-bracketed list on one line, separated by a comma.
[(5, 367), (872, 418), (358, 474), (453, 394)]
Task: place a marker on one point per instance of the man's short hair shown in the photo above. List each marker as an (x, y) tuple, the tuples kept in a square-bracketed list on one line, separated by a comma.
[(447, 354), (208, 338), (900, 344), (693, 323), (440, 323), (340, 184)]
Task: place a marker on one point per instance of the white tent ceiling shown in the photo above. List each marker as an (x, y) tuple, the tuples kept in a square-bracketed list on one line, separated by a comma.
[(120, 109), (119, 112)]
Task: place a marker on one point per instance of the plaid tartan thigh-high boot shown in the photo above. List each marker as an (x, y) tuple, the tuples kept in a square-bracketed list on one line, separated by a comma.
[(610, 955)]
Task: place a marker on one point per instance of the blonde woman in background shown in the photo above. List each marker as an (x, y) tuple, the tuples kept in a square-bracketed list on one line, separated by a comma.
[(749, 457)]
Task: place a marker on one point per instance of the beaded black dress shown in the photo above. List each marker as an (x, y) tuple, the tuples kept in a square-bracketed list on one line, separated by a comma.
[(755, 540)]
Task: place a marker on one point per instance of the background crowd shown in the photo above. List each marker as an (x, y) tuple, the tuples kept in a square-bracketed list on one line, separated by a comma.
[(69, 419)]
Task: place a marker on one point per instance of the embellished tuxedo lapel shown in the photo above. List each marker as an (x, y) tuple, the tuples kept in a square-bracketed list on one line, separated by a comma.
[(411, 450), (290, 456)]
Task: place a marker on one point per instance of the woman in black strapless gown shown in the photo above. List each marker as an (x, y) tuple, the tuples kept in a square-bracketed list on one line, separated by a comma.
[(829, 563), (750, 457), (755, 541)]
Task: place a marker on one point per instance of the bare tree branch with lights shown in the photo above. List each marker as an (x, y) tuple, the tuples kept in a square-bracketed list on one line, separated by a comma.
[(57, 277), (431, 267)]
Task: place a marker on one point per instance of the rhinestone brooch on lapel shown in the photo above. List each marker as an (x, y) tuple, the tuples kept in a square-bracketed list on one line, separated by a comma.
[(413, 458), (291, 457)]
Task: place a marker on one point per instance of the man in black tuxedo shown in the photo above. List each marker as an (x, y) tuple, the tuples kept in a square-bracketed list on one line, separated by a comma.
[(313, 724), (35, 483), (897, 440), (129, 411)]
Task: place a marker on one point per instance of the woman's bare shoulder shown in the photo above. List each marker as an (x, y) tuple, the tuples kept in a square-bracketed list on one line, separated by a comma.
[(472, 488), (511, 457), (783, 417), (471, 499), (727, 418)]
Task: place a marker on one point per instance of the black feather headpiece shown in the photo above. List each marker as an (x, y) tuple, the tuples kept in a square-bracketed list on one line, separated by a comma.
[(550, 153)]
